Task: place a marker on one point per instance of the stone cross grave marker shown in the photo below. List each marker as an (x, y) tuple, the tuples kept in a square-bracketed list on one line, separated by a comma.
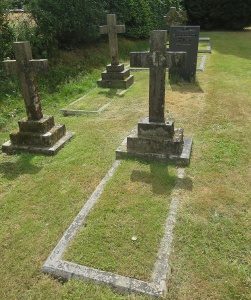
[(186, 38), (175, 17), (112, 29), (38, 133), (115, 76), (157, 139), (157, 60), (26, 68)]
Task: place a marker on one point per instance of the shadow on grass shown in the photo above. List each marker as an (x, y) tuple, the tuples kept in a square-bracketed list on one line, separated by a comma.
[(111, 93), (186, 87), (160, 179), (23, 165)]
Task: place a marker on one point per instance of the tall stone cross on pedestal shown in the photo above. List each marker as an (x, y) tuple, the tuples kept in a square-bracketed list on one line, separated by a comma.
[(157, 60), (112, 29), (37, 133), (156, 138), (116, 75), (26, 68)]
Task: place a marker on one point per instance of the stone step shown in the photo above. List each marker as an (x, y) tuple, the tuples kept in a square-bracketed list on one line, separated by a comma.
[(41, 126), (152, 130), (117, 84), (118, 68), (174, 146), (115, 75), (37, 139), (10, 149)]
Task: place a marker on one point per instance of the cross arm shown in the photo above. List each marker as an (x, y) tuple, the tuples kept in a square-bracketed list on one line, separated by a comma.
[(103, 29), (10, 67), (120, 29), (39, 65), (139, 59)]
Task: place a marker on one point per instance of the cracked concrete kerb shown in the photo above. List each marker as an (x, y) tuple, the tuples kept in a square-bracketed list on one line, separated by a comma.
[(157, 287)]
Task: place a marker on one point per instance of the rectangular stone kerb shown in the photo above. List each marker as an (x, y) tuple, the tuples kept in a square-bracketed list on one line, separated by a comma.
[(26, 68)]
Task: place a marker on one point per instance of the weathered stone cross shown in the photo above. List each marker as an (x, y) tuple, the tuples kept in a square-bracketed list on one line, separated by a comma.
[(158, 59), (26, 68), (112, 29)]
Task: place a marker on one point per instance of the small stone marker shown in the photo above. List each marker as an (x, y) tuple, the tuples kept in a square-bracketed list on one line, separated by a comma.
[(175, 17), (186, 38), (37, 134), (156, 138), (115, 76)]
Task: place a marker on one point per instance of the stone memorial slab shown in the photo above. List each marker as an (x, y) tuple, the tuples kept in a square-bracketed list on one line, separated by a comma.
[(156, 137), (37, 133), (186, 38), (116, 75)]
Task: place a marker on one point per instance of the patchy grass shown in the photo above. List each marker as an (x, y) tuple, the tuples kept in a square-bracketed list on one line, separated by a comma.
[(40, 196), (211, 257), (70, 75), (135, 203), (96, 99)]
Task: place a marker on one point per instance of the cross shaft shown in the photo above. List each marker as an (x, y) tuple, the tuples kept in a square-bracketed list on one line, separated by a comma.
[(112, 29), (26, 68), (156, 60)]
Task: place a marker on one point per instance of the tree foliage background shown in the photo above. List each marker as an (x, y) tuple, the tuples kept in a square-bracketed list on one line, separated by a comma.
[(69, 23), (219, 14)]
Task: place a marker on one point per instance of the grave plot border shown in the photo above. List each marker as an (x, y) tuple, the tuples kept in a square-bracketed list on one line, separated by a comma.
[(157, 287), (78, 112), (209, 46), (202, 64)]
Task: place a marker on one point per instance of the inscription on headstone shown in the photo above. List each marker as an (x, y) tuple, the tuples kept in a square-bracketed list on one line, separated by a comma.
[(186, 38)]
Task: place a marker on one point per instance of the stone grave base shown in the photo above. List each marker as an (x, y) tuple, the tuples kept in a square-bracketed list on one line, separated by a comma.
[(42, 137), (117, 77), (157, 142)]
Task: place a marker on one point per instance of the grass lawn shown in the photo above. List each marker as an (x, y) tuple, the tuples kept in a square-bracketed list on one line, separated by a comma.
[(40, 196), (95, 99)]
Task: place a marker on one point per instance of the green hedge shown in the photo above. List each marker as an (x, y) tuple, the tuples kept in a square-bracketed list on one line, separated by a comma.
[(219, 14), (6, 34), (68, 23), (141, 16)]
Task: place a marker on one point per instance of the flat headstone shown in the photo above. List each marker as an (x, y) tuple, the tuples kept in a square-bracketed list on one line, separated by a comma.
[(186, 38)]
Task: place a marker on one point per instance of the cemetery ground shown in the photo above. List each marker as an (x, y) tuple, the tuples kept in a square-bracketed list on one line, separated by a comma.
[(40, 196)]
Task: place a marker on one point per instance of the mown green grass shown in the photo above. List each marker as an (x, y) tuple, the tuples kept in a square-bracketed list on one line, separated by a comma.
[(71, 75), (40, 196), (135, 204), (96, 99)]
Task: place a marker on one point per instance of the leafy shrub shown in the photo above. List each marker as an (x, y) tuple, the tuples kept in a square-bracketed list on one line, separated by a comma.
[(6, 34), (217, 14), (141, 16), (67, 22)]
